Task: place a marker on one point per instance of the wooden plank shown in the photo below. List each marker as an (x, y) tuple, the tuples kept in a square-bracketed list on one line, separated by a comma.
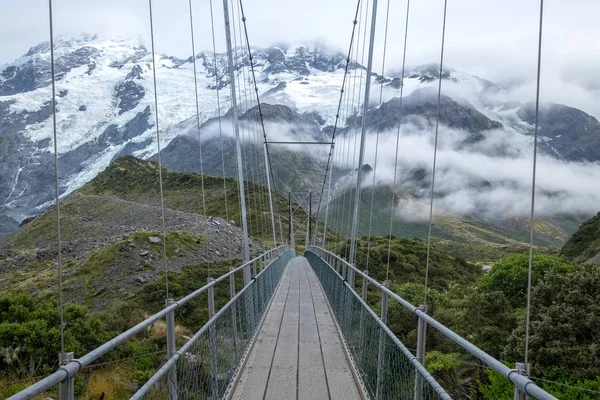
[(298, 353)]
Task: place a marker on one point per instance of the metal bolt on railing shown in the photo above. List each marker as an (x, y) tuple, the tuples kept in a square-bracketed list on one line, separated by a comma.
[(66, 389), (522, 369)]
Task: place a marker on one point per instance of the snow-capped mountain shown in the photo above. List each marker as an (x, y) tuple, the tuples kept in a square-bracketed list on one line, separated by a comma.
[(105, 110)]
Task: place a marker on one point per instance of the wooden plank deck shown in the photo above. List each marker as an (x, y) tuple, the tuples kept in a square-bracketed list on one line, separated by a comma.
[(298, 353)]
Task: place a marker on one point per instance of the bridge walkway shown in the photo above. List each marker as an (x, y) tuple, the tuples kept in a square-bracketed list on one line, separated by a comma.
[(298, 353)]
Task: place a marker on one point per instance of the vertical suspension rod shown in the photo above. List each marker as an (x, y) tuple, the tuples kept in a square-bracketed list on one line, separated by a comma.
[(330, 159), (158, 151), (262, 123), (238, 147), (361, 155), (197, 108), (56, 183)]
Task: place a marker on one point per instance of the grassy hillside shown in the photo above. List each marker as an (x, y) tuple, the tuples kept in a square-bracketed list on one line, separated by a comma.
[(408, 260), (584, 245), (136, 180), (106, 228)]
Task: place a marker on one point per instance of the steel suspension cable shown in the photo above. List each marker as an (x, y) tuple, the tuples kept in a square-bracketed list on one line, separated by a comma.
[(345, 148), (387, 16), (56, 182), (251, 133), (268, 166), (387, 20), (216, 72), (160, 179), (245, 157), (350, 254), (435, 145), (335, 127), (250, 147), (387, 271), (197, 109), (363, 137), (362, 57), (345, 153), (237, 142), (344, 225), (533, 180)]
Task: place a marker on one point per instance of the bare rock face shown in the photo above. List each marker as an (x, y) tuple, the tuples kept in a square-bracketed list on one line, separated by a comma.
[(594, 260), (569, 132), (7, 225)]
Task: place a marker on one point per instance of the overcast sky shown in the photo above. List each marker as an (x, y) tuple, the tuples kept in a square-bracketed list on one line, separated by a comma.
[(489, 38)]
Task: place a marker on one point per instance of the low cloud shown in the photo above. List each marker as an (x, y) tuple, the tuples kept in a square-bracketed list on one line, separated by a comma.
[(490, 179)]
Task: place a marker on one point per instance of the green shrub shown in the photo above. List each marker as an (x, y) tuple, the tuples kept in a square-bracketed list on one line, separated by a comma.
[(510, 275)]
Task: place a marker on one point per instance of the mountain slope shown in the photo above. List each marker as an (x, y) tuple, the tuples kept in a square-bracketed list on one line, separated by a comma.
[(411, 220), (584, 245), (296, 168), (111, 227), (423, 103), (566, 131)]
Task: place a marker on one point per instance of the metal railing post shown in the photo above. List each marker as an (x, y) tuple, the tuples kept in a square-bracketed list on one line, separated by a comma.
[(212, 341), (361, 336), (171, 348), (364, 287), (350, 275), (381, 357), (522, 369), (66, 389), (421, 339), (233, 316)]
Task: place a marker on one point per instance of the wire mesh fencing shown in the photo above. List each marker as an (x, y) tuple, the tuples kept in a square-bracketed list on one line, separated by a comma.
[(205, 366), (387, 368)]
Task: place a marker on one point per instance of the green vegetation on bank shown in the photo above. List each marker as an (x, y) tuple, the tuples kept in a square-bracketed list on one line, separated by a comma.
[(137, 180), (490, 312), (407, 261), (585, 243), (30, 336)]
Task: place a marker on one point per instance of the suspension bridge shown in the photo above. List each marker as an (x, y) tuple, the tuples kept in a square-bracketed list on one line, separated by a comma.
[(302, 326)]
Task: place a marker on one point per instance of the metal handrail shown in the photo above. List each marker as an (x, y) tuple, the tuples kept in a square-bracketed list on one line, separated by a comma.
[(521, 382), (70, 369), (412, 359), (188, 344)]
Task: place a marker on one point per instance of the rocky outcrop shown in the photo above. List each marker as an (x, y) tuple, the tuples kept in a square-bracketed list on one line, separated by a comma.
[(571, 133), (129, 93), (7, 225), (422, 105)]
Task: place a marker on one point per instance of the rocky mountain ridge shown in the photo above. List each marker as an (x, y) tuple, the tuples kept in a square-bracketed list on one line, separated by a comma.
[(105, 111)]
